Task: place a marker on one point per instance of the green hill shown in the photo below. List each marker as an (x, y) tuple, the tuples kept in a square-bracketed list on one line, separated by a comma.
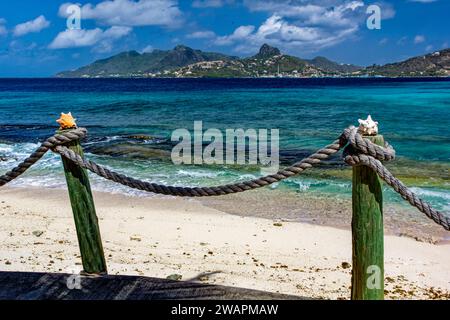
[(133, 63), (331, 66), (268, 62), (433, 64), (184, 62)]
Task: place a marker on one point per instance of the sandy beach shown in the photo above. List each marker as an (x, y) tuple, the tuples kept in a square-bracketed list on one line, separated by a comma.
[(159, 237)]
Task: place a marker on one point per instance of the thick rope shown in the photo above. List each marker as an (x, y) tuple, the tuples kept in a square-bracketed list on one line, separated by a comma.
[(56, 140), (399, 187), (358, 151), (295, 169), (349, 135)]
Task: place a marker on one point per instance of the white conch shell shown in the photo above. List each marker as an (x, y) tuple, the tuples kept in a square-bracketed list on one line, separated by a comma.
[(368, 127)]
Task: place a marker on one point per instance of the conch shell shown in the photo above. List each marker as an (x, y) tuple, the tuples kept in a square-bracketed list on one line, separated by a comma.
[(368, 127), (66, 121)]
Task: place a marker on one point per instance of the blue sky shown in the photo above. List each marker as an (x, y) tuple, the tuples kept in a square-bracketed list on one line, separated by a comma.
[(35, 40)]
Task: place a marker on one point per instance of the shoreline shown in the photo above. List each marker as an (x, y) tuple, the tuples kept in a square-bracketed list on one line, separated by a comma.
[(438, 78), (399, 219), (288, 205), (411, 79), (155, 236)]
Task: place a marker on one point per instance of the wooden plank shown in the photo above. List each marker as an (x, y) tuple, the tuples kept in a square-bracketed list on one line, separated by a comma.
[(54, 286), (367, 233), (83, 208)]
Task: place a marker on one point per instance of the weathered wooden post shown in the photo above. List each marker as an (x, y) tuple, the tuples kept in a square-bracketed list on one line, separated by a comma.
[(86, 222), (367, 228)]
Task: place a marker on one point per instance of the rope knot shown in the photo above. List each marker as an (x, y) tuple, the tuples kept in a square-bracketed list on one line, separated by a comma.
[(359, 150), (65, 137)]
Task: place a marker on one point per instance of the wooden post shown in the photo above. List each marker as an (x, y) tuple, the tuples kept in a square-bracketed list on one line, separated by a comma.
[(86, 222), (367, 232)]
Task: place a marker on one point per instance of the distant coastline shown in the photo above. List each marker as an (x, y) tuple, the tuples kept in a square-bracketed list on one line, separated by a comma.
[(269, 62), (246, 78)]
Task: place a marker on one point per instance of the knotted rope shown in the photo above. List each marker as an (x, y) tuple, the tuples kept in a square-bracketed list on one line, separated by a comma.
[(358, 151), (295, 169), (55, 140), (361, 151)]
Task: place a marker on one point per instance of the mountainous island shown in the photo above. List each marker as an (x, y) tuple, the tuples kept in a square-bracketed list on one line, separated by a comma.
[(185, 62)]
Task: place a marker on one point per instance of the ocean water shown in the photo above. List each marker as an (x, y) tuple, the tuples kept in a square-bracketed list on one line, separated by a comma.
[(414, 116)]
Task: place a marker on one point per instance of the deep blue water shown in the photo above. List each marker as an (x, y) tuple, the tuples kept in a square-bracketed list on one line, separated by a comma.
[(414, 116)]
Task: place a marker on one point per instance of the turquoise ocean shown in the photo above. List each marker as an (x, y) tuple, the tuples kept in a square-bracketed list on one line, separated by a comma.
[(130, 122)]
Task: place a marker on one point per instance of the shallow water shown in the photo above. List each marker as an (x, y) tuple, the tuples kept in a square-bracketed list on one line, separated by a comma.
[(310, 113)]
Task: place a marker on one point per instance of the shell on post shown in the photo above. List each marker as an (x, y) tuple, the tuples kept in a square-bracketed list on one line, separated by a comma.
[(368, 127)]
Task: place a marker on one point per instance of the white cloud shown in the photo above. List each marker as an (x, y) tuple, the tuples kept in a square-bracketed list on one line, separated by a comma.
[(147, 49), (241, 33), (429, 48), (131, 13), (76, 38), (387, 10), (3, 30), (210, 3), (419, 39), (301, 25), (332, 9), (35, 25), (201, 35), (87, 38), (275, 26)]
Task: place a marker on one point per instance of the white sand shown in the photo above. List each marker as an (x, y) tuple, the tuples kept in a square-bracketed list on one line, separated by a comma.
[(162, 236)]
